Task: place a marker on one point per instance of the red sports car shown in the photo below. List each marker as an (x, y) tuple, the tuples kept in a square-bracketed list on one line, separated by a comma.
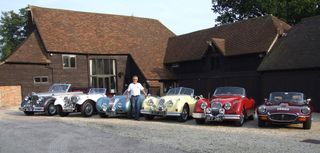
[(227, 103), (285, 108)]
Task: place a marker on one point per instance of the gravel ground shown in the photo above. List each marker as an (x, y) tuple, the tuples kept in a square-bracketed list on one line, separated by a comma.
[(77, 134)]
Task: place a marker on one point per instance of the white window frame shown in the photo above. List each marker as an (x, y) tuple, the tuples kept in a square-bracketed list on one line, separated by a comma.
[(69, 61), (114, 63), (41, 77)]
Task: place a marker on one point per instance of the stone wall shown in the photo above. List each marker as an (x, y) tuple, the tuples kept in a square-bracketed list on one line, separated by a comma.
[(10, 96)]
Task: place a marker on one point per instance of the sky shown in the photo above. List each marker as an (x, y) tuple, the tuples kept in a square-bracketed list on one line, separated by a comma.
[(180, 16)]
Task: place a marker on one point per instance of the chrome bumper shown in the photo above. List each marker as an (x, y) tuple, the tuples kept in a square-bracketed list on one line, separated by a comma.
[(219, 117), (31, 109), (160, 113)]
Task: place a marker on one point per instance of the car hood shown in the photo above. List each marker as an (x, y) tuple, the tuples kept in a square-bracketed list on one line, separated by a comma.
[(47, 94), (173, 97), (225, 99), (283, 108), (43, 94)]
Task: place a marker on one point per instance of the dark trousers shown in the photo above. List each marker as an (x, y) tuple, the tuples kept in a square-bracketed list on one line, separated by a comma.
[(135, 107)]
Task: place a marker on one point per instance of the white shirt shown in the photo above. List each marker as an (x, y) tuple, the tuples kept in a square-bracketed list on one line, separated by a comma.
[(135, 89)]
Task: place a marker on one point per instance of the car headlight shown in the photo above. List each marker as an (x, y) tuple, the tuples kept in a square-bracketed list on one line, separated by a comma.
[(305, 110), (26, 98), (203, 105), (227, 106), (40, 99), (119, 105), (75, 99), (66, 99), (208, 110), (169, 103), (262, 109), (221, 111), (150, 102), (104, 105)]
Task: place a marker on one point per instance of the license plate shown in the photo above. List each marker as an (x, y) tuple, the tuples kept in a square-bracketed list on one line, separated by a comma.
[(159, 113), (283, 108)]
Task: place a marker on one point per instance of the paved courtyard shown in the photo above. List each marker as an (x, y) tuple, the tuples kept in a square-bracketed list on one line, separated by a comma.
[(43, 134)]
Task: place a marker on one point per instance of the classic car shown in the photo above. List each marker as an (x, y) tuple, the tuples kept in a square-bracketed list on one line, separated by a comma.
[(227, 103), (178, 102), (79, 102), (44, 102), (117, 105), (285, 108)]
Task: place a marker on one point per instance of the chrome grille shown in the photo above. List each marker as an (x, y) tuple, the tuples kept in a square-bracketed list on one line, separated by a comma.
[(161, 102), (283, 117), (34, 99), (216, 105)]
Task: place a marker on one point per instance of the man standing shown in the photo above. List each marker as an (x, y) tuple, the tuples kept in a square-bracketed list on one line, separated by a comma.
[(134, 90)]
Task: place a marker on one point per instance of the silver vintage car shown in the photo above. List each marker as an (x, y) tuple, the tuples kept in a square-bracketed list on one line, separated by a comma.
[(44, 101)]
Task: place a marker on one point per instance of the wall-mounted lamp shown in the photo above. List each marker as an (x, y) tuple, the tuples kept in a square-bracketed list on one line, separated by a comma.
[(120, 74)]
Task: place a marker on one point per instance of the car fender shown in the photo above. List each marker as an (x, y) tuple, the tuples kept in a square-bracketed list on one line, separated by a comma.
[(239, 106), (49, 100), (59, 101), (100, 101)]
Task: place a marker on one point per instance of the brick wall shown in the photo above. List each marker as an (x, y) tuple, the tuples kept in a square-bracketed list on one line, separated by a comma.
[(22, 75), (10, 96)]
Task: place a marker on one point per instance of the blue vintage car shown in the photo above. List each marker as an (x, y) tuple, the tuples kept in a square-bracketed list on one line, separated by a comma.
[(118, 105)]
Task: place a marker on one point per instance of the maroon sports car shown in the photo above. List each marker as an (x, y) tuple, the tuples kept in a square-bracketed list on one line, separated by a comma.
[(285, 108)]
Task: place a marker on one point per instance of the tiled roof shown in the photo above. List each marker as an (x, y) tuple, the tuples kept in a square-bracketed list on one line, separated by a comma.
[(64, 31), (29, 52), (243, 37), (299, 49)]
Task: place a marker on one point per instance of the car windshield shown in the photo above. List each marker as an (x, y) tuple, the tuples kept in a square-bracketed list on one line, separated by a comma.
[(59, 88), (181, 91), (229, 91), (93, 91), (278, 97)]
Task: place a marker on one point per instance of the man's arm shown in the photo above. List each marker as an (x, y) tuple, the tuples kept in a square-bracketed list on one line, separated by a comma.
[(128, 91), (142, 89)]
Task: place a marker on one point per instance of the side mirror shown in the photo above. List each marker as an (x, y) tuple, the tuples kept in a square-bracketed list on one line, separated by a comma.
[(265, 100), (308, 100)]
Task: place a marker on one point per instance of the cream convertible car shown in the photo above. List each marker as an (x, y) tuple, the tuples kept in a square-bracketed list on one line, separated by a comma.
[(178, 102)]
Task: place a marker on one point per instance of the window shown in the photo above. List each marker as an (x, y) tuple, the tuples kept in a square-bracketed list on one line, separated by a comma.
[(103, 74), (41, 79), (69, 61)]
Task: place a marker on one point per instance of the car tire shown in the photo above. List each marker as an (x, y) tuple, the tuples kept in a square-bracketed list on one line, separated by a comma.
[(148, 117), (103, 115), (27, 113), (87, 109), (242, 118), (184, 114), (61, 112), (200, 121), (307, 124), (50, 109), (261, 123)]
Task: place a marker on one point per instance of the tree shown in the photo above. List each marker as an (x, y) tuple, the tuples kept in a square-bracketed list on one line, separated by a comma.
[(13, 30), (291, 11)]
